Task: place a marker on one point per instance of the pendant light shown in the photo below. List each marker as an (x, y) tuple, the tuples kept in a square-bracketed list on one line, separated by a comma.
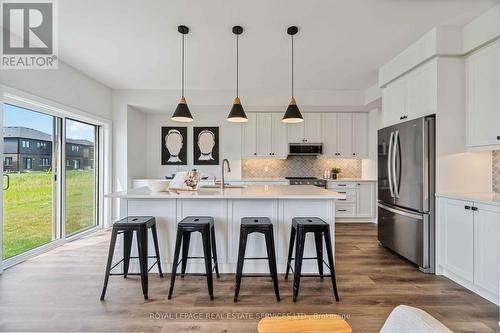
[(292, 114), (237, 114), (182, 113)]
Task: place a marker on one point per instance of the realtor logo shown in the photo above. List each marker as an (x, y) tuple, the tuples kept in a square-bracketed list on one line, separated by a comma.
[(28, 36)]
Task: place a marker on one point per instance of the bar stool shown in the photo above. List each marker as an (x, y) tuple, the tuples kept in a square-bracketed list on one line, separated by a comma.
[(262, 225), (300, 227), (190, 224), (127, 226)]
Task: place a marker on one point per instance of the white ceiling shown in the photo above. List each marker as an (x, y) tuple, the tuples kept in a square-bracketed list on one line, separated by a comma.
[(131, 44)]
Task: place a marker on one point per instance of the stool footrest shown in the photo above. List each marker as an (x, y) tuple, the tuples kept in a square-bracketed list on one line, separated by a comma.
[(256, 258), (256, 275)]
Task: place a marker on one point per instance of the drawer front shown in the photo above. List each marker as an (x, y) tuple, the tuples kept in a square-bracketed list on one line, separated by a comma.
[(345, 210), (350, 194), (342, 185)]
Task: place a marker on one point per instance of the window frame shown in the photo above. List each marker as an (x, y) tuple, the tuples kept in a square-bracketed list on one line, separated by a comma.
[(22, 99)]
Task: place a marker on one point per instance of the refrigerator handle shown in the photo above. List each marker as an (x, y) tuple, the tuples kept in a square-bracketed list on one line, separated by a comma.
[(394, 174), (389, 170)]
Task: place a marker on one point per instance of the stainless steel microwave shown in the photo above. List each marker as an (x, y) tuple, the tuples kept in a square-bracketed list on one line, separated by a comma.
[(305, 149)]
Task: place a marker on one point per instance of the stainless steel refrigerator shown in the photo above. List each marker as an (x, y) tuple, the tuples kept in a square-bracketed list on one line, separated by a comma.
[(406, 186)]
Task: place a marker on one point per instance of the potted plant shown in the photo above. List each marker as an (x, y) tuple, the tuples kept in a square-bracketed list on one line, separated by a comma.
[(335, 172)]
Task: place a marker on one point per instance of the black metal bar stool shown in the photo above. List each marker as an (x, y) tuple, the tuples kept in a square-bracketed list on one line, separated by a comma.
[(262, 225), (300, 227), (127, 226), (204, 225)]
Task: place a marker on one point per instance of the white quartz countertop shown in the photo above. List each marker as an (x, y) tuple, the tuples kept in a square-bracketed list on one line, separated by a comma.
[(249, 192), (492, 198)]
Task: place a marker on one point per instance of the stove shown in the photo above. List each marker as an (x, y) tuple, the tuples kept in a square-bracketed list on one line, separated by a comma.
[(307, 181)]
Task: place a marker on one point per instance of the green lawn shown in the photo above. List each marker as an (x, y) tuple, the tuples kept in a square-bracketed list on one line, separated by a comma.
[(27, 204)]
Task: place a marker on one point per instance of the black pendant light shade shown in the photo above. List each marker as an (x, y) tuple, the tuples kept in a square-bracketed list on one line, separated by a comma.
[(237, 114), (292, 114), (182, 113)]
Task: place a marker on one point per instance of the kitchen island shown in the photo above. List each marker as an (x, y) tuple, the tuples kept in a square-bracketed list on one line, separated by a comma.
[(227, 206)]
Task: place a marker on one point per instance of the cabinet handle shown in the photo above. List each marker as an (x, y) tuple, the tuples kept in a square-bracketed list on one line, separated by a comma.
[(467, 207), (255, 153), (354, 154), (498, 137), (474, 208), (341, 184), (342, 199), (341, 210), (342, 192)]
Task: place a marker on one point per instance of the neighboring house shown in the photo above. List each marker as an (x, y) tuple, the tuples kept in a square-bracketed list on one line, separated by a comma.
[(26, 149)]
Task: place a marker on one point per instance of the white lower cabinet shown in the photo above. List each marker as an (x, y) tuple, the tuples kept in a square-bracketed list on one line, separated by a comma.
[(359, 204), (487, 247), (457, 242), (469, 245)]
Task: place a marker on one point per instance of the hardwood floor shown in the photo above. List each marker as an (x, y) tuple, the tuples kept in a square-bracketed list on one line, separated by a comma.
[(59, 291)]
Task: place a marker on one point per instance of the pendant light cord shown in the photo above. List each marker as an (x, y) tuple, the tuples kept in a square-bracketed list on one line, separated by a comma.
[(292, 67), (182, 65), (237, 64)]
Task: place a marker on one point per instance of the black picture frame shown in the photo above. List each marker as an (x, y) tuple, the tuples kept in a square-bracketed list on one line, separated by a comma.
[(177, 144), (206, 139)]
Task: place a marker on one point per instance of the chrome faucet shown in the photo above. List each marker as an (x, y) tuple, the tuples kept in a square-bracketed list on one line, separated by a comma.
[(224, 161)]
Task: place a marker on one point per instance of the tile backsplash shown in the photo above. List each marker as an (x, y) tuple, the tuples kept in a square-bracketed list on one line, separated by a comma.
[(496, 171), (298, 166)]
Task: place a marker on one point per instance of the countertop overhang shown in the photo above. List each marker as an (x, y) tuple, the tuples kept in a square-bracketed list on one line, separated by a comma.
[(302, 192)]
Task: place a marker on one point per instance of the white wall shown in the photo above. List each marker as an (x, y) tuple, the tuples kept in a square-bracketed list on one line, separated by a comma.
[(136, 143), (457, 170), (229, 142), (369, 165), (482, 30), (65, 86)]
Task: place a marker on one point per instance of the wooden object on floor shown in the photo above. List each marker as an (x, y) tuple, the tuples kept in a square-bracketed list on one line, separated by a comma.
[(304, 324)]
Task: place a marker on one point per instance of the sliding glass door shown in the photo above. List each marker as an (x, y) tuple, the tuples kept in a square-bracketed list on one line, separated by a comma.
[(81, 178), (50, 178), (29, 192)]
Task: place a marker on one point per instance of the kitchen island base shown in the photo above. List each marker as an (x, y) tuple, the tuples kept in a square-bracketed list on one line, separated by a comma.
[(227, 214)]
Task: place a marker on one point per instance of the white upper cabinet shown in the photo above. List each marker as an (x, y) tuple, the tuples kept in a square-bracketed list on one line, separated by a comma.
[(312, 127), (264, 135), (308, 131), (329, 134), (422, 91), (394, 102), (483, 97), (345, 135), (249, 136), (295, 132), (279, 136), (360, 135), (411, 96)]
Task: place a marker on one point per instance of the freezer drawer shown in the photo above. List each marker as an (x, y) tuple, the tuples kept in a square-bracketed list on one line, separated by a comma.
[(405, 233)]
